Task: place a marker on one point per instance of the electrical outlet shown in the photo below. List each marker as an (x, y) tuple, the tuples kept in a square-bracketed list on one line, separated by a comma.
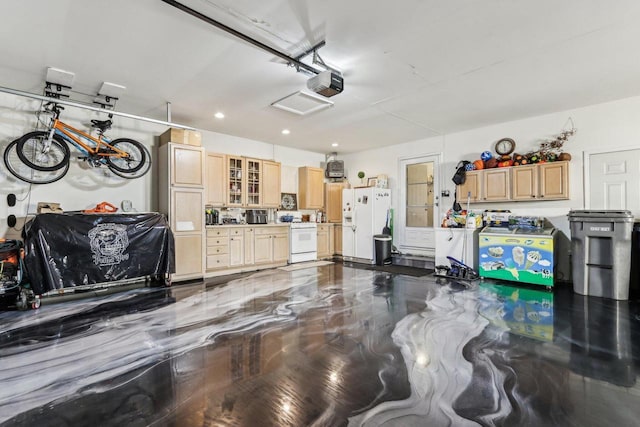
[(445, 193)]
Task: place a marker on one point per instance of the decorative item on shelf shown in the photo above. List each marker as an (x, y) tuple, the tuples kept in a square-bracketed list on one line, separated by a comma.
[(289, 201), (486, 155), (555, 146), (519, 159), (478, 164), (470, 167), (491, 163), (361, 176), (505, 146), (372, 182), (505, 161)]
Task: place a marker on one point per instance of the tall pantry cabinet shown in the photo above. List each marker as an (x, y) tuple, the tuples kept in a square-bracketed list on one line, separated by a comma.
[(181, 197)]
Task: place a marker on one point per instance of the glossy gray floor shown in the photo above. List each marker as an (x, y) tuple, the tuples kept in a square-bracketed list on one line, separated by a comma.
[(323, 346)]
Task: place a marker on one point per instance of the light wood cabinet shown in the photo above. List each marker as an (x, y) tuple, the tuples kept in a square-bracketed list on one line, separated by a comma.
[(188, 255), (235, 181), (281, 245), (554, 180), (537, 182), (217, 249), (215, 188), (249, 246), (253, 183), (246, 182), (236, 247), (325, 240), (186, 165), (271, 184), (544, 181), (471, 189), (333, 200), (524, 182), (337, 239), (496, 185), (310, 188), (271, 244), (181, 179)]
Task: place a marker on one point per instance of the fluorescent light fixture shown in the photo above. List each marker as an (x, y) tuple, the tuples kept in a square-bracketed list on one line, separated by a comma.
[(302, 103), (286, 131), (219, 115)]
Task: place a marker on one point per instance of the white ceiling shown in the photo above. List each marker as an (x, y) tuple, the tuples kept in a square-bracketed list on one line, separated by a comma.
[(412, 68)]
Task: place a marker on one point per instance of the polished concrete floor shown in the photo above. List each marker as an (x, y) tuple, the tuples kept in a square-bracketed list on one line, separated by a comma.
[(324, 346)]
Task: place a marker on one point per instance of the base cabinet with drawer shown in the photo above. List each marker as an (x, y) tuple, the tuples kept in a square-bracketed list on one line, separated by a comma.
[(325, 240), (337, 239), (217, 248), (271, 244), (245, 248)]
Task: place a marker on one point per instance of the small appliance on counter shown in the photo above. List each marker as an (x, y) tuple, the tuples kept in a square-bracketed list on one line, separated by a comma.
[(212, 216), (256, 216)]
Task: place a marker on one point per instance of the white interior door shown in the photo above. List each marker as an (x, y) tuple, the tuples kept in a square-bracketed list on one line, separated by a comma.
[(418, 204), (613, 181)]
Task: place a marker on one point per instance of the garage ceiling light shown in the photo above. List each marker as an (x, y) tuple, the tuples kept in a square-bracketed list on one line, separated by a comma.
[(302, 103)]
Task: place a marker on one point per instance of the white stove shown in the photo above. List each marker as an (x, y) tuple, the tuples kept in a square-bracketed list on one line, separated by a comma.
[(303, 241)]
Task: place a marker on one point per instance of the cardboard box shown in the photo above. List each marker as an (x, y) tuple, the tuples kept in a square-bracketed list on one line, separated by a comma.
[(49, 207), (181, 136)]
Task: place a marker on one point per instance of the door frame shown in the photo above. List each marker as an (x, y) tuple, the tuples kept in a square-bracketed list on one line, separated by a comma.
[(399, 220), (586, 167)]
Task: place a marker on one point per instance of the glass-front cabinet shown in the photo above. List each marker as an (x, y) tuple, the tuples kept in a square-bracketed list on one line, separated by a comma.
[(254, 182), (235, 180)]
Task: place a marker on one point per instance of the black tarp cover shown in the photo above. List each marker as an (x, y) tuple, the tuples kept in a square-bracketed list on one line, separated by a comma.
[(75, 249)]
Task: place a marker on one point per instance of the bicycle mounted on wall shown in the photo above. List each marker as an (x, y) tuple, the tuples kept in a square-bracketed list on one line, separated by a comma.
[(42, 157)]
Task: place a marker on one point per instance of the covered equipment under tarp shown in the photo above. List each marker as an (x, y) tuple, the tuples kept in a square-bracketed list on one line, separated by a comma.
[(74, 249)]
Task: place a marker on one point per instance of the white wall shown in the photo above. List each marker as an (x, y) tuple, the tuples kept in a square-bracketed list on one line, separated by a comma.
[(608, 126), (84, 187)]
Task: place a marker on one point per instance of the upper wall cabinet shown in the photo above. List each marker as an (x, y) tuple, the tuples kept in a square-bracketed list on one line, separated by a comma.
[(216, 193), (187, 165), (542, 181), (310, 188), (270, 184), (237, 181)]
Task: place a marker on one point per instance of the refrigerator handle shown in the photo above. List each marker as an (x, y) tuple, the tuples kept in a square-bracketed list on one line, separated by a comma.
[(353, 221)]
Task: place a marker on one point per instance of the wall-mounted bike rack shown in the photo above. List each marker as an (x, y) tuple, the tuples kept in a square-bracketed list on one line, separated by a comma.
[(92, 108)]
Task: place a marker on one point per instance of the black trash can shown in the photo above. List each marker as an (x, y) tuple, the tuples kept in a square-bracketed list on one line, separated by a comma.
[(634, 282), (383, 249)]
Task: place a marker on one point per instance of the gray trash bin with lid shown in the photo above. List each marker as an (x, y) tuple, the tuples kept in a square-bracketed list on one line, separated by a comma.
[(601, 251), (383, 249)]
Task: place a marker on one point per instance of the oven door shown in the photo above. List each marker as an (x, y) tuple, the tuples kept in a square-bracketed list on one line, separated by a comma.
[(304, 240)]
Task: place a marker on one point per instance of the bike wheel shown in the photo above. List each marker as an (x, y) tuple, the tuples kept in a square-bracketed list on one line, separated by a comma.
[(27, 174), (31, 151), (135, 165)]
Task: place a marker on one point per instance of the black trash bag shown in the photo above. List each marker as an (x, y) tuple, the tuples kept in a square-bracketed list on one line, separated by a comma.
[(461, 174)]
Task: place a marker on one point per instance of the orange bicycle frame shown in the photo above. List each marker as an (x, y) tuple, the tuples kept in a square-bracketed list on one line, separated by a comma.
[(70, 132)]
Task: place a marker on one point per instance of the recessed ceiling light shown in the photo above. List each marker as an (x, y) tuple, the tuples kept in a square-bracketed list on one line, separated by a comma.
[(335, 144), (219, 115), (286, 131)]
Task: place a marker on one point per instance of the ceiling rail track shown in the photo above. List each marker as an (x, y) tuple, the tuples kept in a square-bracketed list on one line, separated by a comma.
[(295, 62), (91, 108)]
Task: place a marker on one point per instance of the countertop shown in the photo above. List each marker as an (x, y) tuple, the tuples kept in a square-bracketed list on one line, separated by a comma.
[(273, 224)]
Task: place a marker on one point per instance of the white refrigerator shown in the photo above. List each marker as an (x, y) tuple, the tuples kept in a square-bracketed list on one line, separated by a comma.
[(364, 213)]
